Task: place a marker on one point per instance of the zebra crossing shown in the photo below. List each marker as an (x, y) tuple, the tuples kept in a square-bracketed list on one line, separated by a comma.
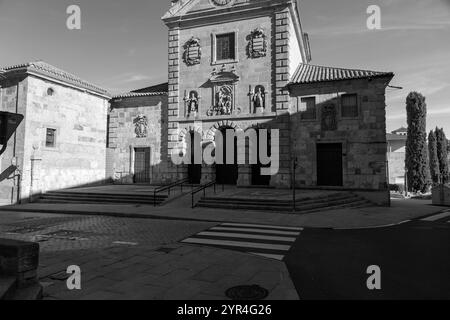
[(443, 216), (272, 242)]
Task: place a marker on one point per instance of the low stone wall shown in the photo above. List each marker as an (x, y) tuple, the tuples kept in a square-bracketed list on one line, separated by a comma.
[(441, 195), (20, 261)]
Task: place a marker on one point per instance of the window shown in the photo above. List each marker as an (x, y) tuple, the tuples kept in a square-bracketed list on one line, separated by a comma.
[(50, 138), (226, 47), (50, 91), (309, 112), (349, 106)]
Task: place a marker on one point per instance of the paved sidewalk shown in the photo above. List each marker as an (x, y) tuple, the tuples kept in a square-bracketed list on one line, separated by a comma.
[(174, 272), (400, 211)]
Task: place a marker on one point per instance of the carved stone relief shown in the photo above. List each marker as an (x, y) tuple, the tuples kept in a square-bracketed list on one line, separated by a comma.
[(141, 125), (329, 114), (192, 52), (257, 44)]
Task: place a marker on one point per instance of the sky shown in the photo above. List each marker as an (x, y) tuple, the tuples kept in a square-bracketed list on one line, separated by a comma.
[(122, 45)]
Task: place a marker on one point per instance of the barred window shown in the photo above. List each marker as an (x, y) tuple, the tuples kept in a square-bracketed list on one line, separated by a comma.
[(225, 47), (349, 104), (50, 138), (310, 112)]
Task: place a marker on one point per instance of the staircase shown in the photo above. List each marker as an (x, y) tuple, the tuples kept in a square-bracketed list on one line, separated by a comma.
[(101, 198), (320, 203)]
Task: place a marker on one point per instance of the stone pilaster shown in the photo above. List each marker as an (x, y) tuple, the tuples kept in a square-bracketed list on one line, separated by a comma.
[(174, 98), (282, 76)]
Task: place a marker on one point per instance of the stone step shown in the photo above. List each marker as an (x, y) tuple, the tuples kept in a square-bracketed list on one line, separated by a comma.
[(51, 199), (7, 287), (104, 195), (282, 203), (112, 198), (355, 205), (273, 207)]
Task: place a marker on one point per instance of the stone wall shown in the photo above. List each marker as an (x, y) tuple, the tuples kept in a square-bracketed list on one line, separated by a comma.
[(441, 195), (123, 140), (396, 167), (13, 99), (78, 158), (363, 138)]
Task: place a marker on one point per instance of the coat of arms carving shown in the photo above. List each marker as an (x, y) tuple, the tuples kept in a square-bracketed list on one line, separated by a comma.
[(329, 114), (141, 124), (192, 52), (257, 46)]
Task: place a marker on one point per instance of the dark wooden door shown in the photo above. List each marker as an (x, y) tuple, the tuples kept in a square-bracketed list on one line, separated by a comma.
[(227, 173), (329, 165), (194, 169), (142, 165)]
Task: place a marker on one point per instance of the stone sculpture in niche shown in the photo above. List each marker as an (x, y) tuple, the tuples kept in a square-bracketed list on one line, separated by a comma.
[(192, 103), (329, 122), (257, 44), (141, 124), (223, 101), (223, 84), (259, 99), (192, 52)]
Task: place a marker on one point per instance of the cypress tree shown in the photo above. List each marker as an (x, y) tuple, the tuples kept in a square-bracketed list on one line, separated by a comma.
[(434, 160), (441, 143), (416, 143)]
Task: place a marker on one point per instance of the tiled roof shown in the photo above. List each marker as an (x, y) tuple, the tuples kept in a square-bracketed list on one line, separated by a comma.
[(163, 87), (307, 73), (395, 137), (157, 90), (48, 70), (402, 129)]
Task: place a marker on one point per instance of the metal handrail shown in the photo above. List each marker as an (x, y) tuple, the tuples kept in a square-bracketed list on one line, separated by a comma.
[(169, 188), (203, 188)]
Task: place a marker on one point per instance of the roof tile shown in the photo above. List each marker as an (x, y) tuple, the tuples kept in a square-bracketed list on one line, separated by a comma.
[(46, 69), (307, 73)]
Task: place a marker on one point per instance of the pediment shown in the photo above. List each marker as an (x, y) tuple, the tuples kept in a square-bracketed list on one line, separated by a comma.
[(186, 7)]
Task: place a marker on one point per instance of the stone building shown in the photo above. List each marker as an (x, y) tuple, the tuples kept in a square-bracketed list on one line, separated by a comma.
[(397, 156), (137, 137), (233, 65), (242, 64), (61, 142)]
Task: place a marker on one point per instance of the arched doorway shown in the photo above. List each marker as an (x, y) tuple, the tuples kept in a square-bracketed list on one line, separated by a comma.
[(195, 169), (227, 173), (257, 178)]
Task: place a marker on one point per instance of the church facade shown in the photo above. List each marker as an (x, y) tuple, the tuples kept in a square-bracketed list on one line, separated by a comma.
[(246, 65)]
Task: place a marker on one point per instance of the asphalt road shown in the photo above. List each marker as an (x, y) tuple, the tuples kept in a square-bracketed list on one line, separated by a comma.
[(414, 259)]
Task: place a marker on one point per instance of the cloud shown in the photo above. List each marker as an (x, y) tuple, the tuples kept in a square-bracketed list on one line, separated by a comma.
[(136, 78)]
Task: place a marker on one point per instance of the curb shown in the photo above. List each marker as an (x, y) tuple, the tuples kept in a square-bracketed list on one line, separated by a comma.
[(107, 214)]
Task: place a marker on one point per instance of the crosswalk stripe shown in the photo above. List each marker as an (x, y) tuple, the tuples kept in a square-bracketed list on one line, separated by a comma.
[(285, 233), (260, 226), (270, 256), (272, 242), (437, 217), (245, 236), (226, 243)]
